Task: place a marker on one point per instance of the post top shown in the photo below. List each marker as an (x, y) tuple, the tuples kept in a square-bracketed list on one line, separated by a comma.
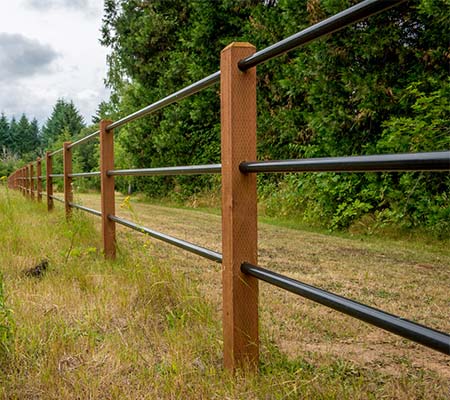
[(238, 44)]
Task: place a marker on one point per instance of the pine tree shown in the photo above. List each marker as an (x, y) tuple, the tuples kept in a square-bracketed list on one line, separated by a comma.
[(65, 117), (14, 133), (5, 135), (22, 136), (34, 136)]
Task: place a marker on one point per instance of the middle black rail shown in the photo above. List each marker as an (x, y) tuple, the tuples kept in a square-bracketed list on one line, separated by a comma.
[(183, 244), (182, 170), (432, 161)]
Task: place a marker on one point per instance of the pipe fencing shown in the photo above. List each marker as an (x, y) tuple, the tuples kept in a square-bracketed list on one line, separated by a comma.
[(240, 272)]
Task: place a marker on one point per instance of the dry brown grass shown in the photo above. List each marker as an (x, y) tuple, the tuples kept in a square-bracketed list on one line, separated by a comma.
[(148, 325)]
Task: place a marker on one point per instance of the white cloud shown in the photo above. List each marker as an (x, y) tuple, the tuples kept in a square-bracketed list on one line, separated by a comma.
[(23, 57), (84, 6), (48, 53)]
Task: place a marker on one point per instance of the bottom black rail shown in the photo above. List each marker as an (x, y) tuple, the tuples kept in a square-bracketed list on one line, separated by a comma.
[(87, 209), (418, 333), (193, 248), (57, 199)]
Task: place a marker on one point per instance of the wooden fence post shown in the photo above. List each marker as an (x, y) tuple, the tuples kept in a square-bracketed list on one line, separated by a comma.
[(68, 194), (31, 181), (107, 187), (24, 181), (239, 213), (39, 179), (27, 174), (49, 180)]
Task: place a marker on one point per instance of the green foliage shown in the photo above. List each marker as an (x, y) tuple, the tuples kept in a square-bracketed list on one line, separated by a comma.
[(378, 86), (5, 134), (64, 117), (6, 324)]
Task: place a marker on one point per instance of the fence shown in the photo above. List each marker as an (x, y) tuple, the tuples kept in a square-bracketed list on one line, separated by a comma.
[(240, 272)]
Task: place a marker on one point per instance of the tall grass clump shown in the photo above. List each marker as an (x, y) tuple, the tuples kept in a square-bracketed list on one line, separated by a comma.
[(6, 325)]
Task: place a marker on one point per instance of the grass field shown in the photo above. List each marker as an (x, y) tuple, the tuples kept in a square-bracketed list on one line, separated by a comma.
[(149, 324)]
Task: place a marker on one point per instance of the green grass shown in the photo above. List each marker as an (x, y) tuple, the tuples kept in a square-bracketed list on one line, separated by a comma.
[(145, 326)]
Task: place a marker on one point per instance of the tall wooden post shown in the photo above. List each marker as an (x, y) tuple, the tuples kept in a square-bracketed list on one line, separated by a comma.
[(239, 214), (39, 179), (107, 186), (68, 194), (24, 181), (32, 181), (27, 175), (49, 180)]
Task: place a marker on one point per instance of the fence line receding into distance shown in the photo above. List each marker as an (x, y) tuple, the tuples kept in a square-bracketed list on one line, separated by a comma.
[(240, 272)]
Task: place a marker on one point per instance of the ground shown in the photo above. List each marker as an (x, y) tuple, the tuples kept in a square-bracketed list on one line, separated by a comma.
[(156, 314)]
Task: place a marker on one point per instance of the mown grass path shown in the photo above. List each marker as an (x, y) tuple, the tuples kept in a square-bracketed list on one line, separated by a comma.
[(148, 325), (407, 278)]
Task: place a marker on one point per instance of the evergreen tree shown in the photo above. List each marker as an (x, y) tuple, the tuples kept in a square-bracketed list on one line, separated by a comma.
[(14, 134), (5, 135), (22, 139), (378, 85), (64, 117), (34, 136)]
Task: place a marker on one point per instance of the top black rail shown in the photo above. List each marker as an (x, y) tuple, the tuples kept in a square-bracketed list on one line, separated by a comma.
[(335, 23), (84, 139), (174, 97), (339, 21), (56, 152)]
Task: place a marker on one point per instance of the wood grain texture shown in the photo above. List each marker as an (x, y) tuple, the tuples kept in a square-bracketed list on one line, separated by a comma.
[(68, 194), (107, 187), (39, 179), (239, 213), (32, 192), (49, 180)]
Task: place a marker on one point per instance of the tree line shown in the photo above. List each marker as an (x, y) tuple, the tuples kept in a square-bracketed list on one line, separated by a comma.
[(378, 86), (23, 140)]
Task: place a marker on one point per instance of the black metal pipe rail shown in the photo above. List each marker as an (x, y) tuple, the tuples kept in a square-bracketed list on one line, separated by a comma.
[(56, 152), (84, 139), (56, 175), (193, 248), (335, 23), (182, 170), (410, 330), (174, 97), (84, 174), (432, 161), (83, 208), (57, 199)]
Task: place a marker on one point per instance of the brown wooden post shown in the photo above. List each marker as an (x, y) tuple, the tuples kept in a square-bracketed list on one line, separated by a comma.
[(49, 180), (27, 174), (239, 213), (107, 186), (25, 181), (32, 181), (39, 179), (68, 194)]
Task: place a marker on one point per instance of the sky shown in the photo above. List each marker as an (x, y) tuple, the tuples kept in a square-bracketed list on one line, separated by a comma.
[(50, 49)]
